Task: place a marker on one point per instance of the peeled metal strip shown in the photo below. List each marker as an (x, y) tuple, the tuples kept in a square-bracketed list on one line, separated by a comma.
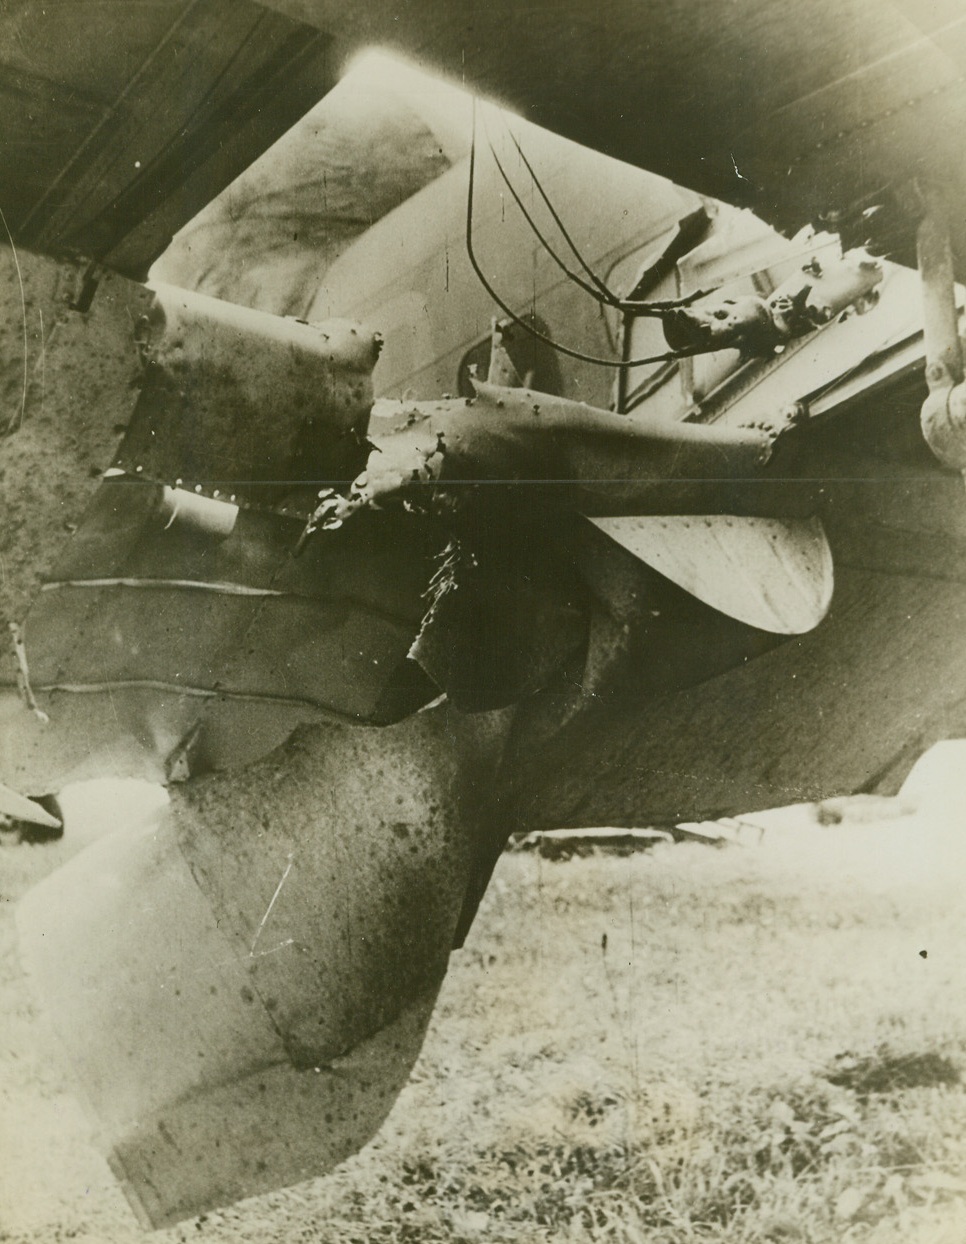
[(20, 808), (190, 692), (775, 574), (223, 589)]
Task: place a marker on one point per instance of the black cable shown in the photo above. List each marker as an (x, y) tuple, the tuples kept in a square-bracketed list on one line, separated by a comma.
[(638, 307), (608, 295), (528, 328), (661, 308), (605, 299)]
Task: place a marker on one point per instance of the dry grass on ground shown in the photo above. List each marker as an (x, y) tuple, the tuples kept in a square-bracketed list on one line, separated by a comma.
[(691, 1045)]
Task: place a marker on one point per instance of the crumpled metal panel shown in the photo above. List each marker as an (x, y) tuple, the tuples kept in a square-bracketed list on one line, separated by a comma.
[(579, 457), (504, 474), (507, 606), (244, 988), (66, 380), (118, 732), (188, 632), (181, 650), (239, 403)]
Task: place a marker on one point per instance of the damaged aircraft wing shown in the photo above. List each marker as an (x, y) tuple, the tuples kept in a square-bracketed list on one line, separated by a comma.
[(363, 645)]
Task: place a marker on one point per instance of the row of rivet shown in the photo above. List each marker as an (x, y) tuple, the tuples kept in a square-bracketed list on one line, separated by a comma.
[(912, 102)]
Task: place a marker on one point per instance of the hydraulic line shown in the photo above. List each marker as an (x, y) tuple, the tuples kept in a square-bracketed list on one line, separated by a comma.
[(596, 360)]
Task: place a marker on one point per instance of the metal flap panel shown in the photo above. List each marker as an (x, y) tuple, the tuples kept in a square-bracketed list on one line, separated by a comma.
[(775, 574)]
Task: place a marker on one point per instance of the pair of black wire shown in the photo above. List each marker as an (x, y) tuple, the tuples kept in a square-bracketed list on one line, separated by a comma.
[(598, 290)]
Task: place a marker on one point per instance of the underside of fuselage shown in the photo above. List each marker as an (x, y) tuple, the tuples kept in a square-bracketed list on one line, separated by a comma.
[(321, 529)]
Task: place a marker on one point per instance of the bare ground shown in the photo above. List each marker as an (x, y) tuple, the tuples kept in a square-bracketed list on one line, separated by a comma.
[(761, 1043)]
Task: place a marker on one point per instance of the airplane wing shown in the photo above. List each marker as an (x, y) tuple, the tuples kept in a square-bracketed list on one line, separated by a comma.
[(122, 121), (296, 911), (795, 110), (121, 128)]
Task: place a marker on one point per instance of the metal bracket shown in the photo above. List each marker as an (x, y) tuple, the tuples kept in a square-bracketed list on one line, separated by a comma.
[(85, 283)]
